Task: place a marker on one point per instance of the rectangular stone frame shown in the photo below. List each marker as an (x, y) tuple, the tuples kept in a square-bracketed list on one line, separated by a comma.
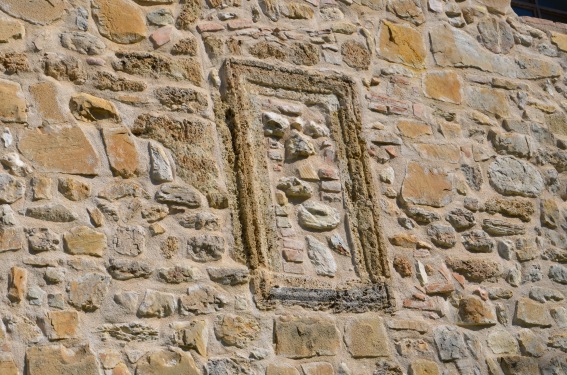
[(255, 231)]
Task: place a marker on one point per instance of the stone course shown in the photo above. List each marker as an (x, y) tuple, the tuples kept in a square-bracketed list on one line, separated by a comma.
[(275, 187)]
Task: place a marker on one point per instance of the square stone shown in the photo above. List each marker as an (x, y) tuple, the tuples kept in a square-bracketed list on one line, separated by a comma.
[(366, 337)]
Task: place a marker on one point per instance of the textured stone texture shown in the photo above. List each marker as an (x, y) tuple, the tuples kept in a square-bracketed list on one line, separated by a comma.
[(281, 187)]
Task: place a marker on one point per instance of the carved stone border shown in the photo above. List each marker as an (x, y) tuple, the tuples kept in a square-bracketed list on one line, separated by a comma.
[(255, 232)]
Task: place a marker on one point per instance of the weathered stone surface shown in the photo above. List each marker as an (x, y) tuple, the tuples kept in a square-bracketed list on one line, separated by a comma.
[(236, 330), (64, 68), (57, 359), (192, 335), (477, 241), (321, 257), (7, 364), (130, 241), (422, 215), (84, 241), (475, 269), (461, 218), (355, 55), (474, 312), (62, 324), (190, 12), (517, 365), (88, 291), (298, 146), (442, 235), (306, 337), (121, 151), (182, 99), (496, 35), (229, 276), (452, 47), (123, 189), (402, 44), (559, 341), (206, 248), (158, 66), (423, 367), (318, 368), (293, 187), (366, 337), (489, 101), (51, 212), (125, 269), (511, 144), (41, 188), (281, 369), (560, 40), (45, 96), (444, 86), (496, 227), (202, 299), (11, 29), (86, 107), (60, 149), (11, 188), (179, 274), (120, 21), (73, 189), (157, 304), (532, 314), (167, 362), (318, 216), (511, 207), (530, 343), (502, 342), (84, 43), (227, 366), (427, 186), (511, 176), (43, 239), (558, 273), (12, 102), (17, 284), (178, 195), (191, 148), (108, 81), (450, 343), (36, 12), (129, 331)]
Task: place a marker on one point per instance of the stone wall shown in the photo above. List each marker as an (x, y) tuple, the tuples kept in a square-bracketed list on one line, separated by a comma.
[(282, 188)]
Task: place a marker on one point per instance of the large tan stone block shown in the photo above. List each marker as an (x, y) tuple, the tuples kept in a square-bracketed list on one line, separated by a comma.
[(427, 186), (532, 314), (60, 149), (84, 241), (35, 11), (560, 40), (119, 20), (47, 106), (305, 337), (62, 324), (12, 102), (11, 29), (167, 362), (443, 86), (367, 337), (58, 360), (121, 151), (402, 44)]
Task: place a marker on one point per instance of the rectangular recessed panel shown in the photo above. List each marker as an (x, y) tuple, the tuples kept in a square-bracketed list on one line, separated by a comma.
[(308, 218)]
